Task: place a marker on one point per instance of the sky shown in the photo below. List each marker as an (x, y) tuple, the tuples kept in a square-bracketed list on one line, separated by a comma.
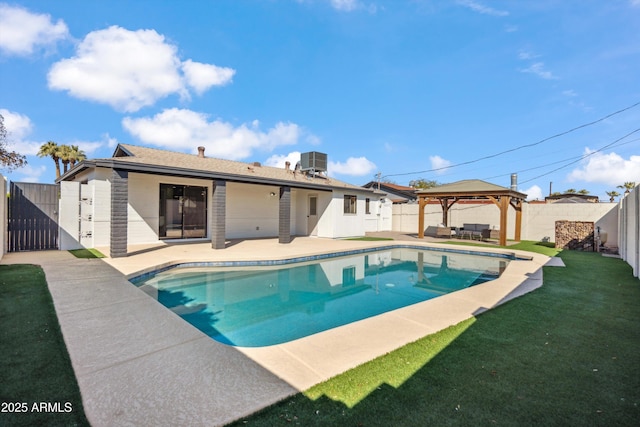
[(439, 90)]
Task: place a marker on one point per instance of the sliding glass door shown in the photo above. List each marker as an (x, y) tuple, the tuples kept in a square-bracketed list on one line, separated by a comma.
[(183, 211)]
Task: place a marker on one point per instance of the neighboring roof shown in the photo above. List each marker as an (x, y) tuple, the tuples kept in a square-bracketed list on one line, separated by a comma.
[(572, 198), (152, 160), (407, 193), (470, 188)]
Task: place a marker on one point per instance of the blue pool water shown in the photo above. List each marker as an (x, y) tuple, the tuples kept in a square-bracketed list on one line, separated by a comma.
[(261, 306)]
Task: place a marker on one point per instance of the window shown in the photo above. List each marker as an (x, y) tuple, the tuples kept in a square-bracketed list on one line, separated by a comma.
[(183, 212), (350, 204), (367, 206), (348, 276)]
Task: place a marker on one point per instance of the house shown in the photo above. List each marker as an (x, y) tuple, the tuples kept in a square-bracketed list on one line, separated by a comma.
[(397, 193), (144, 195), (571, 198)]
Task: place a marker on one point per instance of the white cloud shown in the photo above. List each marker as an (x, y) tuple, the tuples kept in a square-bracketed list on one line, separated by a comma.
[(181, 130), (313, 139), (23, 31), (344, 5), (29, 173), (480, 8), (351, 5), (526, 55), (279, 160), (610, 169), (110, 141), (354, 166), (538, 70), (129, 70), (202, 76), (438, 164), (19, 127), (533, 193)]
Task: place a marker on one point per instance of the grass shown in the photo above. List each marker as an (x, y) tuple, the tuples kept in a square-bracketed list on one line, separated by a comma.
[(544, 248), (34, 363), (86, 253), (565, 354)]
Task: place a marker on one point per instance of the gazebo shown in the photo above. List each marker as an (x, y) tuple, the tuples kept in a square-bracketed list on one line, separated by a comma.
[(449, 194)]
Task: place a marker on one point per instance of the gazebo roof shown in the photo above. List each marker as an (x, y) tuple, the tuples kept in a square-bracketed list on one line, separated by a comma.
[(470, 188)]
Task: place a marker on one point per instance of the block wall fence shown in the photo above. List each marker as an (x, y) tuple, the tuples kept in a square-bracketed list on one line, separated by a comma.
[(538, 219)]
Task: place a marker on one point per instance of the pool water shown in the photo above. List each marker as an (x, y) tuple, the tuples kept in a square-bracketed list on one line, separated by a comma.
[(261, 306)]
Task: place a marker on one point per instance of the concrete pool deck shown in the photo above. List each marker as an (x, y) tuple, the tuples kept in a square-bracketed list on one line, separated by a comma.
[(138, 363)]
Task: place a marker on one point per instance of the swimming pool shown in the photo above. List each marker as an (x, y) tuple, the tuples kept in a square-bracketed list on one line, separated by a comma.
[(255, 306)]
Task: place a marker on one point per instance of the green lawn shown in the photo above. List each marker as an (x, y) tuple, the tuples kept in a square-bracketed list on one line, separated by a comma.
[(567, 354), (34, 364), (86, 253)]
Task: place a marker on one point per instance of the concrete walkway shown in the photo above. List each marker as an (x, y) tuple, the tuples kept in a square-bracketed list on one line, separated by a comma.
[(138, 363)]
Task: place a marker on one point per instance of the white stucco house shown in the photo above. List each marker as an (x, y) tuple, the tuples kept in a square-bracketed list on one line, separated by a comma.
[(144, 195)]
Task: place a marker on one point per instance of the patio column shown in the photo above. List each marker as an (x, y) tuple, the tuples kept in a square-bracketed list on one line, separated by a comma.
[(219, 214), (119, 218), (284, 217)]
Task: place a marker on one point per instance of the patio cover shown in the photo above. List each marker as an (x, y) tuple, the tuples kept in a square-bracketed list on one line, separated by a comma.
[(473, 189)]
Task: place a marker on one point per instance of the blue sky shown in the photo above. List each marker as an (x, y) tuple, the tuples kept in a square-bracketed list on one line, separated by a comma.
[(441, 90)]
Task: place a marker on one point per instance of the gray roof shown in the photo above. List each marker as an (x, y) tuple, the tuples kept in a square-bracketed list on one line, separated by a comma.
[(470, 188), (152, 160)]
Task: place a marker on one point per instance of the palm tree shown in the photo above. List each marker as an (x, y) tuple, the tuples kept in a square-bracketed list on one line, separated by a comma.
[(583, 192), (64, 153), (570, 191), (50, 149), (612, 194), (76, 155), (627, 186)]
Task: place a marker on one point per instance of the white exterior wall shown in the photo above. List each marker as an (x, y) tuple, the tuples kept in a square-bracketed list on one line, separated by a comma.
[(252, 211), (380, 216), (337, 224), (629, 231), (538, 220), (68, 216)]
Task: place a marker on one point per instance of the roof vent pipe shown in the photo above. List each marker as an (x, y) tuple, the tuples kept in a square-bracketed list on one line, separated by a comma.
[(514, 182), (201, 152)]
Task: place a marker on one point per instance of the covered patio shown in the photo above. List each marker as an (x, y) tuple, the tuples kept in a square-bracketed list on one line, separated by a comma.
[(474, 189)]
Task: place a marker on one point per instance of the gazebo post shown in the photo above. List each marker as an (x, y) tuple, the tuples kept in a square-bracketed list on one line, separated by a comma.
[(504, 210), (518, 207), (444, 202), (421, 203)]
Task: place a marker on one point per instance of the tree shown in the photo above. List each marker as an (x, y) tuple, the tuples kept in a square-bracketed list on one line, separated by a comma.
[(423, 183), (627, 187), (9, 159), (51, 149), (76, 155), (612, 194), (583, 192), (64, 153)]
